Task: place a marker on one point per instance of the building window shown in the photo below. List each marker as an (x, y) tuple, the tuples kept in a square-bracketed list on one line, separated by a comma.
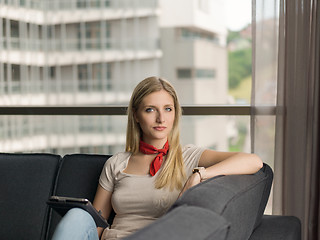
[(108, 69), (200, 73), (83, 75), (205, 73), (52, 72), (185, 73), (14, 29), (93, 35), (15, 40), (5, 72), (15, 73), (4, 27), (82, 72), (191, 34), (81, 4)]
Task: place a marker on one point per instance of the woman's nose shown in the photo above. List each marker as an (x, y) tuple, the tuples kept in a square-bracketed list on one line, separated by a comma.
[(160, 117)]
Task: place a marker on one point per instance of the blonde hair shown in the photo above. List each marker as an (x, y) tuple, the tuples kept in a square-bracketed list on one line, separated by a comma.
[(172, 174)]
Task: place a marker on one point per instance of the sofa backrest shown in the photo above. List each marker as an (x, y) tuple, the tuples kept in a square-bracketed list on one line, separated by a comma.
[(26, 183), (78, 176), (240, 199)]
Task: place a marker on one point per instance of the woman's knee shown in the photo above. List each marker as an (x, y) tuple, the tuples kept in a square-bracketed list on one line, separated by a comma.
[(78, 213), (78, 216), (76, 224)]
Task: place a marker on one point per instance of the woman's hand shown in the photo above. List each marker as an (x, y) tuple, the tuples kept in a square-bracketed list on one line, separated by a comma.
[(193, 180)]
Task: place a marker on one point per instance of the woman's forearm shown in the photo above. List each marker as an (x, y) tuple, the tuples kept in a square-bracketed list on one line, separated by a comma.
[(239, 163)]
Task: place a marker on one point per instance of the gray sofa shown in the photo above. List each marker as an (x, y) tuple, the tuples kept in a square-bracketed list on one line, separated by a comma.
[(225, 207)]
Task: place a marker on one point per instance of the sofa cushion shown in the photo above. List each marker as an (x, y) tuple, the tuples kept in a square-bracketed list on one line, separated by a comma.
[(78, 176), (240, 199), (187, 223), (27, 182)]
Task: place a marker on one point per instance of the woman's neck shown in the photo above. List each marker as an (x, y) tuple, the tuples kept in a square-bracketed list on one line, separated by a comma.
[(158, 143)]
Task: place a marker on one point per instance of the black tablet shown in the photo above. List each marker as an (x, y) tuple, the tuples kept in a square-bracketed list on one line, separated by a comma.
[(63, 204)]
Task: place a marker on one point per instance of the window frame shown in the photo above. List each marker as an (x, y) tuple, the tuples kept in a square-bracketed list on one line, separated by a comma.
[(188, 110)]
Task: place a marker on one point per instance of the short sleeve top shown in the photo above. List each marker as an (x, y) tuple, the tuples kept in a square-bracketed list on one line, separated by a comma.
[(135, 200)]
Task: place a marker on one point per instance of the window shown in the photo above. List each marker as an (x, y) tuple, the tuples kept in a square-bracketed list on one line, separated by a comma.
[(97, 62), (92, 35), (199, 34), (15, 40), (83, 76), (52, 72), (185, 73), (15, 72), (205, 73), (188, 73)]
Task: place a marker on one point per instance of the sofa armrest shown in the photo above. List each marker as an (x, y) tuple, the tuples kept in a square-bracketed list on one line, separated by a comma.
[(185, 222), (240, 199), (278, 227)]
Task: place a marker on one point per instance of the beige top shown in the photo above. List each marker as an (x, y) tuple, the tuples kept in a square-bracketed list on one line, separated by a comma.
[(135, 200)]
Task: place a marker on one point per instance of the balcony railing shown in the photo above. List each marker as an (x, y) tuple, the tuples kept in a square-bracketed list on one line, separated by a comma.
[(70, 45), (81, 4)]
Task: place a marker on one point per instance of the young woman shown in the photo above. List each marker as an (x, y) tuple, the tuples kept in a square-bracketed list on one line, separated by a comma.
[(142, 183)]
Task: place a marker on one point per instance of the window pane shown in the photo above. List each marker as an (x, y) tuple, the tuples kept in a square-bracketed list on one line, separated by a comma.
[(89, 52), (206, 48), (221, 133), (107, 134), (62, 134)]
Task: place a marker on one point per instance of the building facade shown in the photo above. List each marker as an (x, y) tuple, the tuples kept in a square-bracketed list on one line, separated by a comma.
[(195, 59)]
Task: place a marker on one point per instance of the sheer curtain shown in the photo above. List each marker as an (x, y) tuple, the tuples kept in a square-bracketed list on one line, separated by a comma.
[(286, 75), (265, 37)]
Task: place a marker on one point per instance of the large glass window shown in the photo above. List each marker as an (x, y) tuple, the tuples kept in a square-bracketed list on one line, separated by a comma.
[(60, 134), (93, 53)]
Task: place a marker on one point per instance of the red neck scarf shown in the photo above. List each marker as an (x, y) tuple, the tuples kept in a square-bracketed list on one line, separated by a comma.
[(157, 161)]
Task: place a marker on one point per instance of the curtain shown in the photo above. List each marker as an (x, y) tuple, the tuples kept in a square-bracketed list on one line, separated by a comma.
[(286, 63), (265, 39)]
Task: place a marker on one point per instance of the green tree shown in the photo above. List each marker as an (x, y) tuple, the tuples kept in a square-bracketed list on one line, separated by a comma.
[(233, 35), (239, 62)]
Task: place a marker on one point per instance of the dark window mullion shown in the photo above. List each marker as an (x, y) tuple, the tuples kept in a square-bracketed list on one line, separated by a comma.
[(199, 110)]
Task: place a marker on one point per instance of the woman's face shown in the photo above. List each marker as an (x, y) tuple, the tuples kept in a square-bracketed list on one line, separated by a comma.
[(155, 116)]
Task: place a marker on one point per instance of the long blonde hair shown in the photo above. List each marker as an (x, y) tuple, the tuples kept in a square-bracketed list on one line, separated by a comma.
[(172, 174)]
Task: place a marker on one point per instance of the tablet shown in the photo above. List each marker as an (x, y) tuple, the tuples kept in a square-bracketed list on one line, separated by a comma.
[(63, 204)]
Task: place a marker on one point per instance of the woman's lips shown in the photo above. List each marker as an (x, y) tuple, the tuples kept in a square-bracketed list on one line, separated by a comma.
[(159, 128)]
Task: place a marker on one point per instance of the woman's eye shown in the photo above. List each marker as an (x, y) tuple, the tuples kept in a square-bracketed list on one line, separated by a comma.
[(168, 109), (149, 110)]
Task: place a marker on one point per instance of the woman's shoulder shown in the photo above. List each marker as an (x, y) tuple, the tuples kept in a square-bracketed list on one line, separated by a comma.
[(191, 155), (189, 148), (191, 151), (118, 158)]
